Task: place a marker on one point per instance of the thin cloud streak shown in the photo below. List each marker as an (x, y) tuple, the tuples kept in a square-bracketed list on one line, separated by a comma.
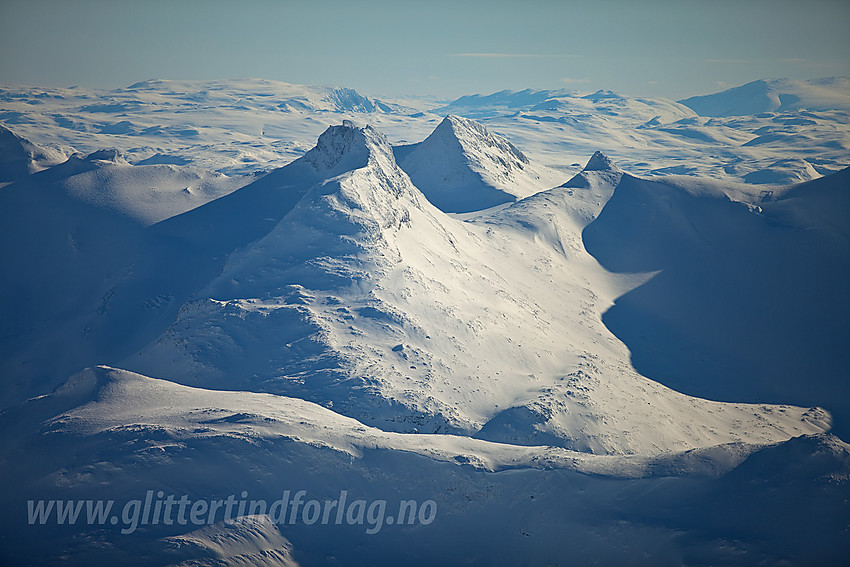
[(511, 55)]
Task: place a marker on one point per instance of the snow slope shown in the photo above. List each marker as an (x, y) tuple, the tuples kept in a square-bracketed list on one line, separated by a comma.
[(749, 301), (68, 233)]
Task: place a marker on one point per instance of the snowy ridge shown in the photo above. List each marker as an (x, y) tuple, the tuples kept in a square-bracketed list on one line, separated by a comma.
[(20, 157), (104, 400), (723, 253), (600, 162)]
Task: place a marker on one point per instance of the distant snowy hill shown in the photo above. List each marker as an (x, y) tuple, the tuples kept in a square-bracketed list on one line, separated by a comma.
[(775, 95), (590, 105), (284, 96), (505, 101)]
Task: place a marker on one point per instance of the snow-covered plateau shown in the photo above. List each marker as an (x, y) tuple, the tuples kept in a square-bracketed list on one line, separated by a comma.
[(255, 323)]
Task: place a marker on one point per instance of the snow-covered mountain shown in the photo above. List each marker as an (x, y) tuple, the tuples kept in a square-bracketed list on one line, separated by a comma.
[(747, 297), (598, 366), (367, 281), (68, 232), (775, 95), (462, 167)]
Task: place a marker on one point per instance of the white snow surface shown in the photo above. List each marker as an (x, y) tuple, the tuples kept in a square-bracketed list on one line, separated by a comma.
[(542, 348)]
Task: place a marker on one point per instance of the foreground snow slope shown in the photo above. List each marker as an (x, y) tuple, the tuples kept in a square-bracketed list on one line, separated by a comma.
[(111, 434)]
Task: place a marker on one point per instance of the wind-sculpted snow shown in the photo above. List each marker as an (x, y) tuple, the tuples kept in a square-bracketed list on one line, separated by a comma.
[(112, 434)]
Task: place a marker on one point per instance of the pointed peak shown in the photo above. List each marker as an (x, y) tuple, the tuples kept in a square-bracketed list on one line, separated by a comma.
[(460, 124), (600, 162), (346, 147), (470, 134)]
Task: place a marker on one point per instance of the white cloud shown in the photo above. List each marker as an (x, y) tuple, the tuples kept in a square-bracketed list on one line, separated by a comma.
[(510, 55), (571, 81)]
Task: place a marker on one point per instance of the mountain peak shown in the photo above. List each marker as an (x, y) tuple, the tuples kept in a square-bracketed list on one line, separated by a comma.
[(600, 162), (468, 132), (463, 167), (345, 148)]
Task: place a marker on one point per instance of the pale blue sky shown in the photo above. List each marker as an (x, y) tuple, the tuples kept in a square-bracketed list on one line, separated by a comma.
[(444, 48)]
